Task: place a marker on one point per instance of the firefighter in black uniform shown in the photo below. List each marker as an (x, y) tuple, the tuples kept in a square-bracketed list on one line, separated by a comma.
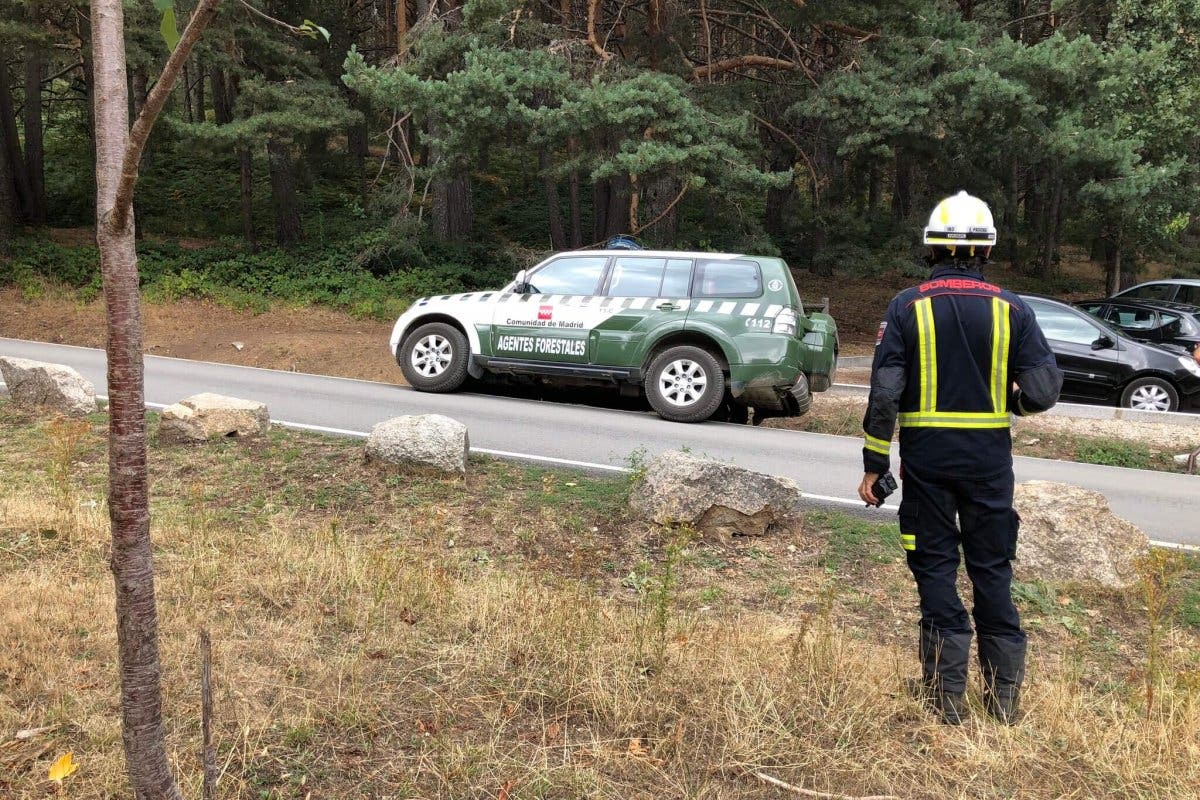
[(954, 357)]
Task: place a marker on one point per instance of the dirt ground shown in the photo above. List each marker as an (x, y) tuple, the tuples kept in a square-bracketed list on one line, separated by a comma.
[(307, 339)]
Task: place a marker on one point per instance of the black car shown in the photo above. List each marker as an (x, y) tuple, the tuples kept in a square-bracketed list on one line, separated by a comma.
[(1156, 321), (1104, 365), (1177, 290)]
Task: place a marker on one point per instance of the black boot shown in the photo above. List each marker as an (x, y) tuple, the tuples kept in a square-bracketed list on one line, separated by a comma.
[(944, 660), (1002, 662)]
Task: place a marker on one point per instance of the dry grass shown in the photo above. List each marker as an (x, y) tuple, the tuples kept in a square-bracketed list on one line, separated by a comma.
[(404, 637)]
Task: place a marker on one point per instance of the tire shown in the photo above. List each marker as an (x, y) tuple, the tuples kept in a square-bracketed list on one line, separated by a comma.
[(433, 358), (1150, 394), (673, 379)]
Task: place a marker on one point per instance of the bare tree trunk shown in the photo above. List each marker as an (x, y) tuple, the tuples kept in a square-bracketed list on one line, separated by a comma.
[(660, 214), (573, 195), (222, 99), (118, 152), (200, 110), (283, 191), (1112, 264), (601, 189), (34, 159), (7, 201), (1012, 245), (11, 153), (558, 235), (245, 167), (902, 194)]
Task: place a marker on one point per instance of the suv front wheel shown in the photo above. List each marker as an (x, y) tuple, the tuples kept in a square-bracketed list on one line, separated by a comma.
[(685, 384), (434, 357)]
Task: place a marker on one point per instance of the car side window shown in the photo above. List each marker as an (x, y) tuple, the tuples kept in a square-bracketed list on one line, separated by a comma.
[(1151, 291), (1189, 295), (1098, 310), (1061, 325), (1170, 324), (1135, 319), (727, 279), (576, 275), (677, 281), (636, 277)]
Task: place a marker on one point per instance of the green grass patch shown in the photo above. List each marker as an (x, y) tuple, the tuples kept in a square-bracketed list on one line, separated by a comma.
[(851, 539), (1117, 453)]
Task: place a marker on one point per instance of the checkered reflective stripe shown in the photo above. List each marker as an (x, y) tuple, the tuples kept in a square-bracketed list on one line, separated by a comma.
[(735, 308)]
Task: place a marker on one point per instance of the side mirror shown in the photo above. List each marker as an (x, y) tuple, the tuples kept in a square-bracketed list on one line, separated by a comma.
[(521, 283), (1103, 343)]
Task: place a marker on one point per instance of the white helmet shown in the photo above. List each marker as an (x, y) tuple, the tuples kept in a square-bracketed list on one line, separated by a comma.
[(961, 219)]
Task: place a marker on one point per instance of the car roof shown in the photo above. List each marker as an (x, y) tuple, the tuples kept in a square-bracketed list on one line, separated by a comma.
[(1170, 281), (1156, 305), (652, 253)]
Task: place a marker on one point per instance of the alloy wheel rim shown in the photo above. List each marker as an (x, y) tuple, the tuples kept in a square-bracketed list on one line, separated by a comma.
[(1150, 398), (683, 382), (431, 356)]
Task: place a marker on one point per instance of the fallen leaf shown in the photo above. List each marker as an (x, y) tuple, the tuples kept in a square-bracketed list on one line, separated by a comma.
[(505, 789), (62, 768), (636, 749), (552, 731)]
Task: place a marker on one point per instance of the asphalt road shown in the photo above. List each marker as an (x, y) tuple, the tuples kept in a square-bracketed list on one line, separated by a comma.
[(1166, 506)]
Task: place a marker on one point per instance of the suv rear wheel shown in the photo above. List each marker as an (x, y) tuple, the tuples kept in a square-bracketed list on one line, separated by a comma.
[(434, 357), (1150, 394), (685, 384)]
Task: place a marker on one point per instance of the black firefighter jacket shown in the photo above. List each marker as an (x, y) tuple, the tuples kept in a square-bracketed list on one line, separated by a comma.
[(946, 360)]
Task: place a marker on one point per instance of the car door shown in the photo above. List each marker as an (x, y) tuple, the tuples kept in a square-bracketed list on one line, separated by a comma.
[(552, 321), (644, 295), (1090, 372), (1150, 291)]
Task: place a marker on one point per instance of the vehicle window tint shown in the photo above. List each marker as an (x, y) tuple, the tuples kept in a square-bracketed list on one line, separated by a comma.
[(678, 279), (1062, 325), (1151, 291), (1137, 319), (636, 277), (1189, 294), (1171, 324), (1096, 310), (1189, 326), (727, 279), (577, 275)]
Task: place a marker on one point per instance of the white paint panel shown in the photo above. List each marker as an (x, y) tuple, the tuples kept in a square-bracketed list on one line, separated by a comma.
[(703, 306), (750, 309), (726, 308), (773, 311)]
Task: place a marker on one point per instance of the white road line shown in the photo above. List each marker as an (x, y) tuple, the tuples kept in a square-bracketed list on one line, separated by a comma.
[(549, 460), (843, 501)]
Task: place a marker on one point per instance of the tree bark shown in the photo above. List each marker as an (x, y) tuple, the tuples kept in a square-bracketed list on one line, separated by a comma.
[(283, 191), (34, 158), (245, 167), (574, 200), (18, 175), (201, 114), (558, 234), (902, 194), (601, 189), (7, 201), (1012, 245), (118, 152), (620, 197), (222, 99), (660, 210)]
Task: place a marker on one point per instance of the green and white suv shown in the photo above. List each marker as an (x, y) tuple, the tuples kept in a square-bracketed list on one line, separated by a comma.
[(697, 332)]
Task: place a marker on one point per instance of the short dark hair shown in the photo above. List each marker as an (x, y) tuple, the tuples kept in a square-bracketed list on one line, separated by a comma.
[(961, 254)]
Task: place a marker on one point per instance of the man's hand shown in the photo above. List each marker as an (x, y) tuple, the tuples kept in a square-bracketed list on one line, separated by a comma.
[(865, 489)]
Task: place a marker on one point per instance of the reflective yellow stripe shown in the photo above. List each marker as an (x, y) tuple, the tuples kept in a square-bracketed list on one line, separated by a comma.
[(908, 541), (1000, 340), (927, 346), (953, 419), (877, 445)]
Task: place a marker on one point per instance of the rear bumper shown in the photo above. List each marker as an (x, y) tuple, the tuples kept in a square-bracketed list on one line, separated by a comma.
[(774, 400)]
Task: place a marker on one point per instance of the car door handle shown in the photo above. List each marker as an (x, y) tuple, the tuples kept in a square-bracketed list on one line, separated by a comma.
[(666, 307)]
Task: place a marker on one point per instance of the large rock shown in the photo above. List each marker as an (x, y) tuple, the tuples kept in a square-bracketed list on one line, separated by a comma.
[(213, 416), (53, 386), (1069, 534), (718, 500), (429, 441)]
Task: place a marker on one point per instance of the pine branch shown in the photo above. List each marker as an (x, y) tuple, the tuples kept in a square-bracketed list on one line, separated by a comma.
[(739, 62)]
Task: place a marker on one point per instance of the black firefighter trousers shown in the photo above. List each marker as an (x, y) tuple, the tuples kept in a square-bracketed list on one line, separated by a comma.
[(937, 517)]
